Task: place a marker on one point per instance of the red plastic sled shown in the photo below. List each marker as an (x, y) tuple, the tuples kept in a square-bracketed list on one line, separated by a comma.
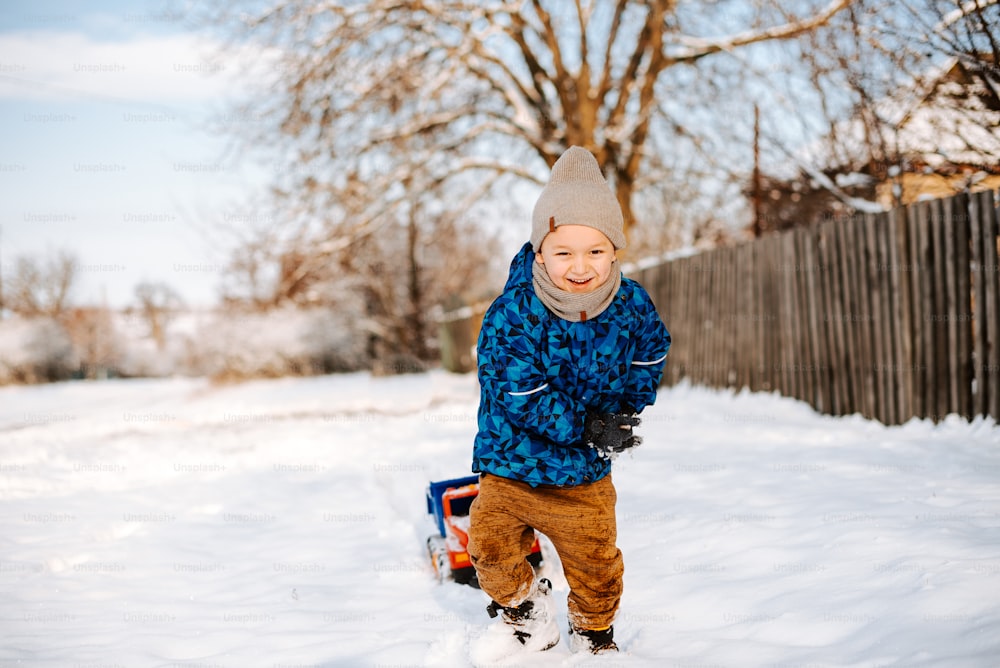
[(449, 501)]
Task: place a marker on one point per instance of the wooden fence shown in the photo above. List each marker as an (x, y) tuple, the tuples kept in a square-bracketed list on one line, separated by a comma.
[(892, 316)]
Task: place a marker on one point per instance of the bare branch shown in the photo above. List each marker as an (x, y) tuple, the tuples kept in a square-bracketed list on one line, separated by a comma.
[(391, 113), (698, 47), (606, 77), (961, 12)]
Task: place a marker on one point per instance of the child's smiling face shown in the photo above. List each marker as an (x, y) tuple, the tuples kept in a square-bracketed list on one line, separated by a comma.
[(577, 258)]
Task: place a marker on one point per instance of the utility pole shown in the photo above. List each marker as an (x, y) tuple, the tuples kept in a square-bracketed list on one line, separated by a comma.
[(757, 215)]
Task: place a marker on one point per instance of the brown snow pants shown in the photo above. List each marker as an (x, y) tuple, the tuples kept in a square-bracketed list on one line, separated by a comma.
[(580, 522)]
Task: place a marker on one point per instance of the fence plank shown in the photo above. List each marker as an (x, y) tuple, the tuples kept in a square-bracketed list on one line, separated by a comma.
[(948, 315), (779, 356), (675, 317), (889, 323), (902, 314), (762, 268), (783, 313), (748, 333), (717, 358), (708, 361), (978, 212), (854, 320), (737, 308), (878, 352), (717, 330), (720, 318), (790, 316), (979, 393), (844, 317), (680, 347), (697, 295), (810, 270), (927, 286), (914, 272), (828, 260), (671, 294), (700, 307), (963, 352), (680, 321), (991, 299), (803, 357), (841, 322), (758, 377), (924, 306), (865, 340), (761, 259), (687, 324), (942, 349)]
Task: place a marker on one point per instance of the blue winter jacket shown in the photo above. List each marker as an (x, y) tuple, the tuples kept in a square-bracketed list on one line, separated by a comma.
[(539, 374)]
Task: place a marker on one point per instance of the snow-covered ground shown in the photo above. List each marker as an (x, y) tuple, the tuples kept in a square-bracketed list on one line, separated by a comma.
[(282, 523)]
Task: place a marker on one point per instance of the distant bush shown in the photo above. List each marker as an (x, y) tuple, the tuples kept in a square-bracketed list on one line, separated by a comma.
[(34, 350), (143, 358), (223, 345), (282, 342)]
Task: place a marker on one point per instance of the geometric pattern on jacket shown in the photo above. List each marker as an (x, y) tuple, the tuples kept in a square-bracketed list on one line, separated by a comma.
[(539, 374)]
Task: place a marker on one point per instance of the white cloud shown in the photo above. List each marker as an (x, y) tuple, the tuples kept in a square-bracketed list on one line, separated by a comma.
[(71, 66), (150, 108)]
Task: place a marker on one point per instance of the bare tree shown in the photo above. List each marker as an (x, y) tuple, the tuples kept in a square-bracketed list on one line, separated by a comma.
[(389, 283), (369, 93), (157, 304), (393, 121), (41, 287), (97, 347), (906, 89)]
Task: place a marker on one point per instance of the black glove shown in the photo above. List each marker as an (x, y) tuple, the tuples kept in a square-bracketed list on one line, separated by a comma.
[(611, 433)]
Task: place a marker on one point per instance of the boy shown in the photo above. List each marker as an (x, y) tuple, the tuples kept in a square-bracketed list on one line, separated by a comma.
[(569, 354)]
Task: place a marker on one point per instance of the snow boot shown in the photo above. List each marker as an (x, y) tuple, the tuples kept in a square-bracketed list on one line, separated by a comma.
[(530, 626), (595, 642)]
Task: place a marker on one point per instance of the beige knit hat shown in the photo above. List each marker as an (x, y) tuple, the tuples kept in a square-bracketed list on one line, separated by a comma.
[(577, 194)]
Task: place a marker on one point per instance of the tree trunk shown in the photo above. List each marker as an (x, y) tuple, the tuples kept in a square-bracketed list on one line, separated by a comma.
[(623, 191), (418, 329)]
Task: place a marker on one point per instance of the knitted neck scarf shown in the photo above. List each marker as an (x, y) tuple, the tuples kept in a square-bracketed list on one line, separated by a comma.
[(575, 306)]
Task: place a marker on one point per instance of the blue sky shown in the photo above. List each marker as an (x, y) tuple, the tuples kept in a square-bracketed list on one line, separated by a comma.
[(110, 149)]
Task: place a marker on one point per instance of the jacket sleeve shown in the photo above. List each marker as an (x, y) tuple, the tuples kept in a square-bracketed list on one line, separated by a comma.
[(511, 375), (646, 369)]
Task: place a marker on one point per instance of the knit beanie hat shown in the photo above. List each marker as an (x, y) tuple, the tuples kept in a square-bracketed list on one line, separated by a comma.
[(577, 194)]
